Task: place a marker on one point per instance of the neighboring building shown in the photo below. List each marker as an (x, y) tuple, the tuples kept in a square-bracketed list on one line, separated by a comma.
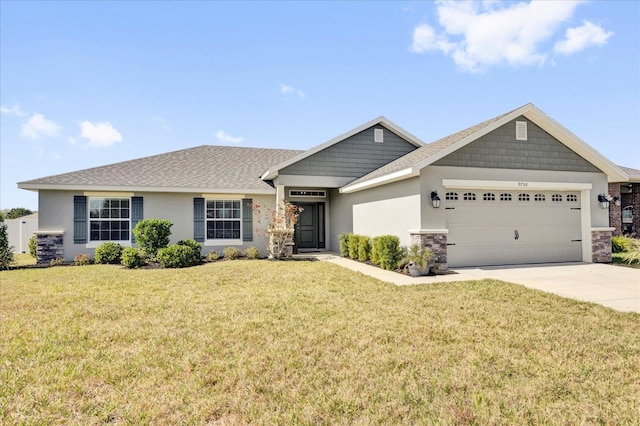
[(20, 231), (516, 189), (625, 200)]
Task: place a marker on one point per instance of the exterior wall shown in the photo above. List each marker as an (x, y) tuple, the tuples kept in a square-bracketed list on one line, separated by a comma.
[(615, 212), (500, 149), (601, 246), (392, 209), (56, 215), (353, 157)]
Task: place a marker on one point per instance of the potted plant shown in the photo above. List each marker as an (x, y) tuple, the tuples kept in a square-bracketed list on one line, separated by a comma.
[(417, 260)]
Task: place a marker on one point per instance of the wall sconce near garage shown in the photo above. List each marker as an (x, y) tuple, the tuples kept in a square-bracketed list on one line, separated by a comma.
[(605, 199), (435, 199)]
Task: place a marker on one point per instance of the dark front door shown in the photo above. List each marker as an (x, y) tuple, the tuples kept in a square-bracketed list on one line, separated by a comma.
[(309, 232)]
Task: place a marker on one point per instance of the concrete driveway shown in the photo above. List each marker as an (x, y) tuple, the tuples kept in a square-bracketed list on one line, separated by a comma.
[(616, 287)]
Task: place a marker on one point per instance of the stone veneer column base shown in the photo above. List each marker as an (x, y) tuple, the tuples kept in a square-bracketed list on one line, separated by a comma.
[(49, 247), (601, 245), (436, 241)]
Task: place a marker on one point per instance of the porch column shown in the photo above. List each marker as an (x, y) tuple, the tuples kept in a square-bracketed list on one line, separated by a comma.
[(635, 202), (280, 197), (615, 212)]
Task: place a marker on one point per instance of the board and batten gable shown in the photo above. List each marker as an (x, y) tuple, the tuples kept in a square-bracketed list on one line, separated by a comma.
[(500, 149), (353, 157)]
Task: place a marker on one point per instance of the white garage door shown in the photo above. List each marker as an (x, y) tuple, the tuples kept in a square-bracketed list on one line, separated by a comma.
[(512, 227)]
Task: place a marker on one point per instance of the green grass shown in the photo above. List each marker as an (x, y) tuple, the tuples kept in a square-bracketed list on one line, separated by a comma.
[(23, 259), (260, 342)]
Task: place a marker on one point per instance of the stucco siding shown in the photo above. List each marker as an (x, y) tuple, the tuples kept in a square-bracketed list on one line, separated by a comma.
[(56, 214), (354, 157), (392, 209), (500, 149)]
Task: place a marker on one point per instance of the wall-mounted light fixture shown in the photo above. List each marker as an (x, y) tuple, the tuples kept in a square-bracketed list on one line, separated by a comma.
[(603, 199), (616, 201), (435, 199)]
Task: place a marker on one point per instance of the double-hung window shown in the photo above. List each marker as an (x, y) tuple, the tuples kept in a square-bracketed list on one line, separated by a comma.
[(109, 219), (224, 219)]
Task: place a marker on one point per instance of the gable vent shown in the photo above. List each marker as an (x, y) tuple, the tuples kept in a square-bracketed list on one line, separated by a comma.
[(521, 130), (378, 135)]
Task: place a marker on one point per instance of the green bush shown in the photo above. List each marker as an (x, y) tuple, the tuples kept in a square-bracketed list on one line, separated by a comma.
[(621, 244), (56, 262), (82, 259), (33, 246), (386, 251), (364, 248), (108, 253), (213, 255), (133, 258), (632, 256), (344, 244), (152, 235), (176, 256), (6, 251), (252, 253), (231, 253), (352, 242), (196, 249)]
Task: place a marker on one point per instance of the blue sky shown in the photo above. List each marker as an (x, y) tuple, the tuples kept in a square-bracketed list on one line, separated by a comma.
[(83, 84)]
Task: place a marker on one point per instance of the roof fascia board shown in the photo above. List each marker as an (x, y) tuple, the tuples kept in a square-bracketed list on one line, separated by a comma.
[(53, 187), (571, 141), (382, 180), (272, 172)]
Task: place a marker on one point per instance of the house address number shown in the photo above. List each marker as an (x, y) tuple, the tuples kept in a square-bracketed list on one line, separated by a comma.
[(523, 184)]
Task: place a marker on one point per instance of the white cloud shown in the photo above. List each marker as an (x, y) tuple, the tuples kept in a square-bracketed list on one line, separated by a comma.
[(579, 38), (223, 137), (478, 35), (37, 126), (99, 134), (285, 89), (13, 110)]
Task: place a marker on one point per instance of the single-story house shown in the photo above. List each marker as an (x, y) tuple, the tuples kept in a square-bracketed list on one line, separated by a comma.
[(516, 189)]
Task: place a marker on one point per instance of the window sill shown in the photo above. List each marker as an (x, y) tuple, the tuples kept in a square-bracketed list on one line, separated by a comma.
[(95, 244), (211, 243)]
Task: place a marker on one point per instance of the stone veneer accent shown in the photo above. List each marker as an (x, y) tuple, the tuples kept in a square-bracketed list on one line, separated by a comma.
[(49, 247), (615, 212), (601, 245), (635, 202), (436, 241)]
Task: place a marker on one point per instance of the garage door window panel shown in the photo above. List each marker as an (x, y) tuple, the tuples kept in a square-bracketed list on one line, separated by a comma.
[(505, 196), (451, 196)]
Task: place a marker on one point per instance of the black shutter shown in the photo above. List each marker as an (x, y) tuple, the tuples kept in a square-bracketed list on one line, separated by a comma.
[(198, 219), (137, 214), (79, 219), (247, 219)]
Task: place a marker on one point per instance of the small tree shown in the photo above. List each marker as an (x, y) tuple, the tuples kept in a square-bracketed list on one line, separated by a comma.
[(6, 251), (282, 222), (152, 235)]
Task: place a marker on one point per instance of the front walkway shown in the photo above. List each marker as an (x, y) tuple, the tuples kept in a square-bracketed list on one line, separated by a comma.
[(616, 287)]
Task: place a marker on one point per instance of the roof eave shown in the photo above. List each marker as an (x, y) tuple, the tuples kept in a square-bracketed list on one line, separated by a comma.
[(379, 181), (111, 188)]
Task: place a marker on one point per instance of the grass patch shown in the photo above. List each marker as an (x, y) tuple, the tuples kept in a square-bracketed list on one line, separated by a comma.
[(305, 343), (23, 259)]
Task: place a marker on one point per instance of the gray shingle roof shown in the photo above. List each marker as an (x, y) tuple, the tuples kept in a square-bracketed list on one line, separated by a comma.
[(205, 167)]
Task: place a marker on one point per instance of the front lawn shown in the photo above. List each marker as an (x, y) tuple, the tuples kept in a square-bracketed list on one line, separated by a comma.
[(240, 342)]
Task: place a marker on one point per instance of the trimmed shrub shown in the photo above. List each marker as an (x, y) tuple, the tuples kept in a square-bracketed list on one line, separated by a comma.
[(621, 244), (231, 253), (352, 242), (6, 251), (33, 246), (632, 256), (386, 251), (152, 235), (108, 253), (364, 248), (82, 259), (195, 247), (213, 255), (344, 244), (56, 262), (252, 253), (176, 256), (133, 258)]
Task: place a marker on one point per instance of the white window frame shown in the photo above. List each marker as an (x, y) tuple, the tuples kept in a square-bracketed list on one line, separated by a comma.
[(310, 193), (378, 135), (95, 243), (222, 241)]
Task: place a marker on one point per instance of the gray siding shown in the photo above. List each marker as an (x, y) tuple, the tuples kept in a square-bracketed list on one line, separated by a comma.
[(353, 157), (499, 149)]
